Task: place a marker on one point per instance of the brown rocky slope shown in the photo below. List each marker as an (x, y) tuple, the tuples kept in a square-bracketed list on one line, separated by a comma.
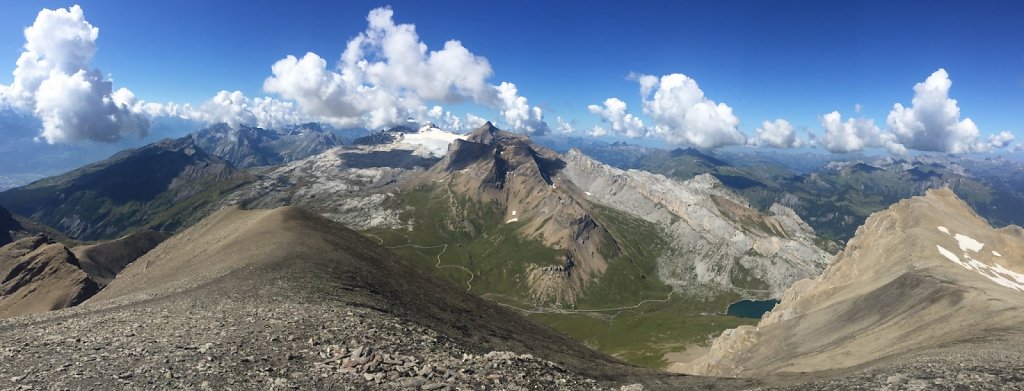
[(284, 298), (926, 293)]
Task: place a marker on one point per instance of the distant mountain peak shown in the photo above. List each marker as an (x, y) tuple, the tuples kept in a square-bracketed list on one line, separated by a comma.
[(247, 146), (698, 155)]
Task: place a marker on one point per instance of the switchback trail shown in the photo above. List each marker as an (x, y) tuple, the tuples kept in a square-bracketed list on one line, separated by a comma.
[(443, 246)]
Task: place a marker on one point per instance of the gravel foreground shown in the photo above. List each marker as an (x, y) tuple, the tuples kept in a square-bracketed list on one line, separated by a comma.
[(182, 345)]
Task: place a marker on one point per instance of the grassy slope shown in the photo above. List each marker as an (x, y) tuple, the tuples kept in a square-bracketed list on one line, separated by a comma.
[(498, 256)]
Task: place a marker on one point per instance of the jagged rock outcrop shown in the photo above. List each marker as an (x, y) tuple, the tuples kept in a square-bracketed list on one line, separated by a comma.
[(40, 275), (925, 275), (715, 238)]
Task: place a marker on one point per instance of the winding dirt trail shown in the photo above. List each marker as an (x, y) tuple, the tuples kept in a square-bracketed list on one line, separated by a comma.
[(548, 310), (443, 246)]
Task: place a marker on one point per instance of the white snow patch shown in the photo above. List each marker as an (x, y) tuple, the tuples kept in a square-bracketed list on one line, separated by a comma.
[(434, 139), (943, 229), (513, 213), (588, 193), (1002, 270), (968, 243), (512, 220), (950, 256), (996, 253), (997, 274)]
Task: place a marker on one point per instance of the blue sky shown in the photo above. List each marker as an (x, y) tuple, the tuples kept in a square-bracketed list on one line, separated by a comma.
[(793, 60)]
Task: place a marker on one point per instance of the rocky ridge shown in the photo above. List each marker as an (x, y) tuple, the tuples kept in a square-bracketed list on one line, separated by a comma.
[(715, 237), (116, 196), (40, 275), (920, 281), (102, 261)]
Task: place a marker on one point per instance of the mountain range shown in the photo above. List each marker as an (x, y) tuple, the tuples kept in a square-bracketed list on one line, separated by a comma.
[(160, 186), (245, 146), (835, 196), (505, 261)]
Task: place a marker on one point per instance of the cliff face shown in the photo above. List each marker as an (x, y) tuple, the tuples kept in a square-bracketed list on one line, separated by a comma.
[(927, 272), (715, 237)]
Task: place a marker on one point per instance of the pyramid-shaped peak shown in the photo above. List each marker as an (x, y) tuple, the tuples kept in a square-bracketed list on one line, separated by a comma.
[(485, 134)]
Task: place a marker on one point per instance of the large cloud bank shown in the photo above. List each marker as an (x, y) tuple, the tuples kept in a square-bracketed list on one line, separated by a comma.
[(387, 75), (54, 80)]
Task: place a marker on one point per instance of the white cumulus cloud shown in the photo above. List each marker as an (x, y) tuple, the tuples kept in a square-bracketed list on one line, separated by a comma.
[(54, 79), (233, 108), (615, 113), (597, 131), (932, 122), (517, 112), (683, 115), (565, 127), (855, 134), (387, 75), (1001, 140), (474, 121), (777, 134), (444, 119)]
